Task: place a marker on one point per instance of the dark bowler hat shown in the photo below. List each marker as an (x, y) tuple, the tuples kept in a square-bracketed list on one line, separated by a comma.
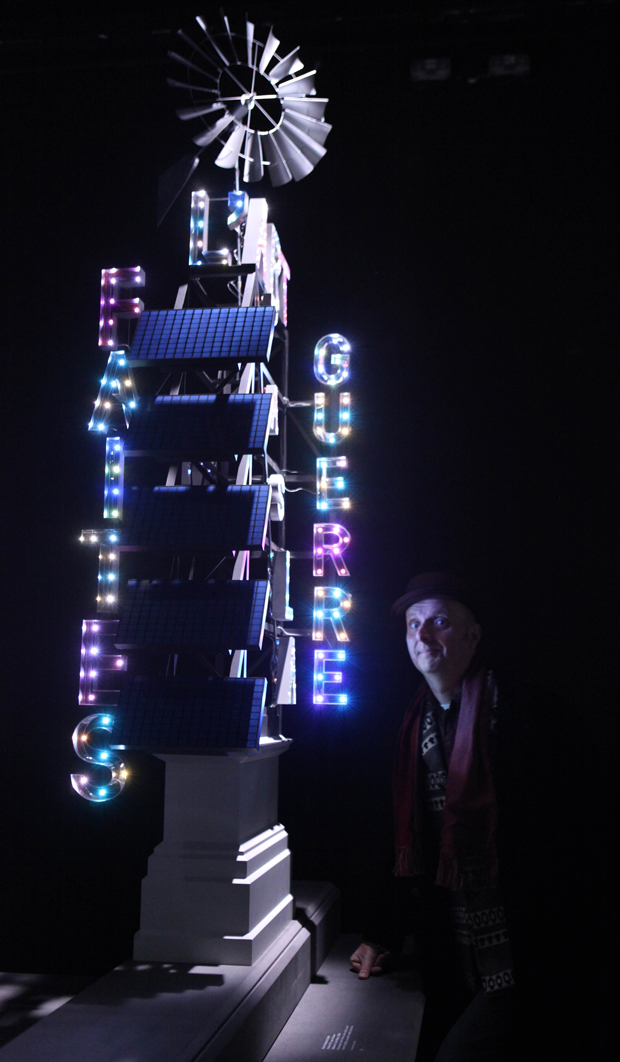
[(441, 585)]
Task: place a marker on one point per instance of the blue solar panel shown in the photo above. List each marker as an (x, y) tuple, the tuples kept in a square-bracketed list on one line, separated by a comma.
[(195, 519), (189, 712), (207, 427), (225, 334), (184, 614)]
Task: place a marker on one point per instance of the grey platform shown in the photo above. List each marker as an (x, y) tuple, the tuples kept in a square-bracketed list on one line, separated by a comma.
[(379, 1018), (164, 1012)]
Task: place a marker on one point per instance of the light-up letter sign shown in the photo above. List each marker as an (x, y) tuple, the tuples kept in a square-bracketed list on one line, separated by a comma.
[(328, 676), (117, 393), (99, 754), (107, 580), (331, 359), (238, 204), (339, 539), (276, 272), (100, 664), (113, 308), (319, 426), (114, 479), (328, 488), (284, 275), (331, 604), (198, 226), (100, 668)]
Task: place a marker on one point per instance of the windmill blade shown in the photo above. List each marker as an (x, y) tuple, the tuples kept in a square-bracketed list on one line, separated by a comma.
[(197, 48), (279, 172), (308, 147), (317, 130), (313, 108), (253, 169), (270, 49), (229, 155), (191, 66), (299, 86), (230, 38), (192, 88), (185, 113), (216, 130), (249, 33), (213, 44), (299, 165), (172, 182), (285, 66)]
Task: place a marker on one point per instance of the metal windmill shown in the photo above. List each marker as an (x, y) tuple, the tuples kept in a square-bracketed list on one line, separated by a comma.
[(254, 101)]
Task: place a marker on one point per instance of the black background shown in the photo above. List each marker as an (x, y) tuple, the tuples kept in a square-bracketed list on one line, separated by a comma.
[(462, 235)]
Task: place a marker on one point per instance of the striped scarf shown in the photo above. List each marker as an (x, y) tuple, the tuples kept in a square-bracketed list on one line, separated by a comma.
[(468, 846)]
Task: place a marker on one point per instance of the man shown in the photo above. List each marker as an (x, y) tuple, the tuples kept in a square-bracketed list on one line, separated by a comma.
[(480, 764)]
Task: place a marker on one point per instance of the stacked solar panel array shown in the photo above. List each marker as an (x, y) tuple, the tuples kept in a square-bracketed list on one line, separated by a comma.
[(195, 616), (191, 519), (183, 614), (190, 713), (221, 335), (200, 427)]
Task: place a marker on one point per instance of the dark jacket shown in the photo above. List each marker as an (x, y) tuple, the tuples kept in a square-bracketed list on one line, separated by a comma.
[(548, 848)]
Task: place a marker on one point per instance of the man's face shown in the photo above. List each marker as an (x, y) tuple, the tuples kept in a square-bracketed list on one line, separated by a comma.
[(441, 637)]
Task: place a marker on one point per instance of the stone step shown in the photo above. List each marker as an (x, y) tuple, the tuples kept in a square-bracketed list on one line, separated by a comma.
[(379, 1018)]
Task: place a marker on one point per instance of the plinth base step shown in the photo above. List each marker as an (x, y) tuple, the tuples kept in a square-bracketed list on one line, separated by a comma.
[(155, 1012)]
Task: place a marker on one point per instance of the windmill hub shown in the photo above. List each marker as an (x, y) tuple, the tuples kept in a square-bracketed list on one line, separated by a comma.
[(245, 85)]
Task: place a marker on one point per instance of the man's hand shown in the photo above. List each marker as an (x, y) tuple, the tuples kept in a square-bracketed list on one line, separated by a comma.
[(368, 959)]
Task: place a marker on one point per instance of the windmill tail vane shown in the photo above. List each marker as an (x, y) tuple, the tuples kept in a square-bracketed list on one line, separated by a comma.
[(260, 105)]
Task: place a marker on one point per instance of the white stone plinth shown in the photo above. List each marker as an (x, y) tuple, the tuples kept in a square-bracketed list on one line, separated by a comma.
[(218, 886)]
